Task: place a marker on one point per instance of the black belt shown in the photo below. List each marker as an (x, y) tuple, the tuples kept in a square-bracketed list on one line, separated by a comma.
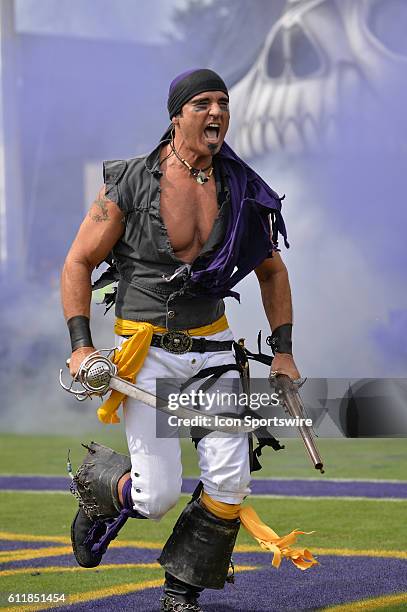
[(179, 342)]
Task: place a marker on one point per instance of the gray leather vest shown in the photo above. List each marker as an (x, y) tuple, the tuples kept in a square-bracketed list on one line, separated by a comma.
[(152, 279)]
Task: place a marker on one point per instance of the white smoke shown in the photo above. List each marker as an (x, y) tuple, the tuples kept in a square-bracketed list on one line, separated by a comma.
[(339, 294), (35, 345)]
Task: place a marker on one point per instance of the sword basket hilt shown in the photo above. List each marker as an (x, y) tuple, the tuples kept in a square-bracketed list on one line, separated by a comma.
[(93, 376), (95, 373)]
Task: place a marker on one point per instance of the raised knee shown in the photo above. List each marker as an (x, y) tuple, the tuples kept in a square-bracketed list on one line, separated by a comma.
[(160, 505), (156, 503)]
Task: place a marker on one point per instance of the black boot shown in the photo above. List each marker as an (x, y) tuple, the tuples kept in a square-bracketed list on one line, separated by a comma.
[(197, 555), (81, 527), (179, 596)]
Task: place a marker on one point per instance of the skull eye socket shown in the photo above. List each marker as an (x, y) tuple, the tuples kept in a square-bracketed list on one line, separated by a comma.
[(293, 51), (275, 58), (387, 21), (305, 60)]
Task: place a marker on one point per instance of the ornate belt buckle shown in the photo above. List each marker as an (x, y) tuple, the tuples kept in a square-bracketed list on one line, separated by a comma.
[(176, 342)]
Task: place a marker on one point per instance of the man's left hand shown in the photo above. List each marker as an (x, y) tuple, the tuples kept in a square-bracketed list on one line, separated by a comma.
[(283, 363)]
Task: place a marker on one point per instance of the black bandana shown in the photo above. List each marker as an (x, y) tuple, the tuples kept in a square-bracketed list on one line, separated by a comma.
[(189, 84)]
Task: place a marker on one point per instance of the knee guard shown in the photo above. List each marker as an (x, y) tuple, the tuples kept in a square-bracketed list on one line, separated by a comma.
[(96, 481), (199, 550)]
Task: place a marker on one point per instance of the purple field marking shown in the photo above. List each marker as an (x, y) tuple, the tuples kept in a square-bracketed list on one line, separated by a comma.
[(318, 488), (113, 555), (311, 488), (336, 581), (35, 483)]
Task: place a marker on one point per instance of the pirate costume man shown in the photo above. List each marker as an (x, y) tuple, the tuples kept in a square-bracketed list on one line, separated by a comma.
[(170, 322)]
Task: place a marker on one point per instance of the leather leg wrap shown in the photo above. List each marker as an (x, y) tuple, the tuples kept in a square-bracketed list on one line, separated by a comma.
[(181, 591), (199, 550), (96, 481)]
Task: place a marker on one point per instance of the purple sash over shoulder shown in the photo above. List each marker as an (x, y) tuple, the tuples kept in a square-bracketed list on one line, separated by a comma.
[(249, 238)]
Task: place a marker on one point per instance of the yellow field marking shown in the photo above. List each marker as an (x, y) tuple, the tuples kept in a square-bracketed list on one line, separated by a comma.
[(241, 548), (56, 568), (119, 589), (350, 552), (28, 537), (376, 603), (336, 552), (138, 544), (24, 554)]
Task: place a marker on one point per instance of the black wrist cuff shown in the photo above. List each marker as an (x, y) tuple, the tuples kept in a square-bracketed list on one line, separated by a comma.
[(280, 339), (79, 330)]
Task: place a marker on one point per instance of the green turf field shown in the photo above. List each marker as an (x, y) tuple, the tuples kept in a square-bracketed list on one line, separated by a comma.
[(343, 458), (337, 523), (343, 527)]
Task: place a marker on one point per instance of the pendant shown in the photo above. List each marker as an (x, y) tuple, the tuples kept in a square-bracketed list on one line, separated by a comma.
[(201, 178)]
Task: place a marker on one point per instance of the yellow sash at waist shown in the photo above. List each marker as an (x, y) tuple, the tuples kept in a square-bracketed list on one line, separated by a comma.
[(129, 357)]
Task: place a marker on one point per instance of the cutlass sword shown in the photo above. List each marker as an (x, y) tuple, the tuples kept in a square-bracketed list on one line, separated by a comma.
[(182, 412), (97, 375)]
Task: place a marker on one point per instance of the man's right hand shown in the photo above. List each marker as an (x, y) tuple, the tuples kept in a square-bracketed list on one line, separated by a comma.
[(78, 356)]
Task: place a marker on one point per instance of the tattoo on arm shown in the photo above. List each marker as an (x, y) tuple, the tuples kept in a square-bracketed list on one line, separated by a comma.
[(102, 214)]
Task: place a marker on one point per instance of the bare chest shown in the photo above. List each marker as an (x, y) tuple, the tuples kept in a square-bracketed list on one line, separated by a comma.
[(188, 211)]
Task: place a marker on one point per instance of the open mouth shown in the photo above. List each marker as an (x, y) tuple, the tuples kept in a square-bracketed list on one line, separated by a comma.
[(212, 132)]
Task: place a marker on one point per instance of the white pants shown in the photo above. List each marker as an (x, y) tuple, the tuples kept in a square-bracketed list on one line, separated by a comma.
[(156, 462)]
